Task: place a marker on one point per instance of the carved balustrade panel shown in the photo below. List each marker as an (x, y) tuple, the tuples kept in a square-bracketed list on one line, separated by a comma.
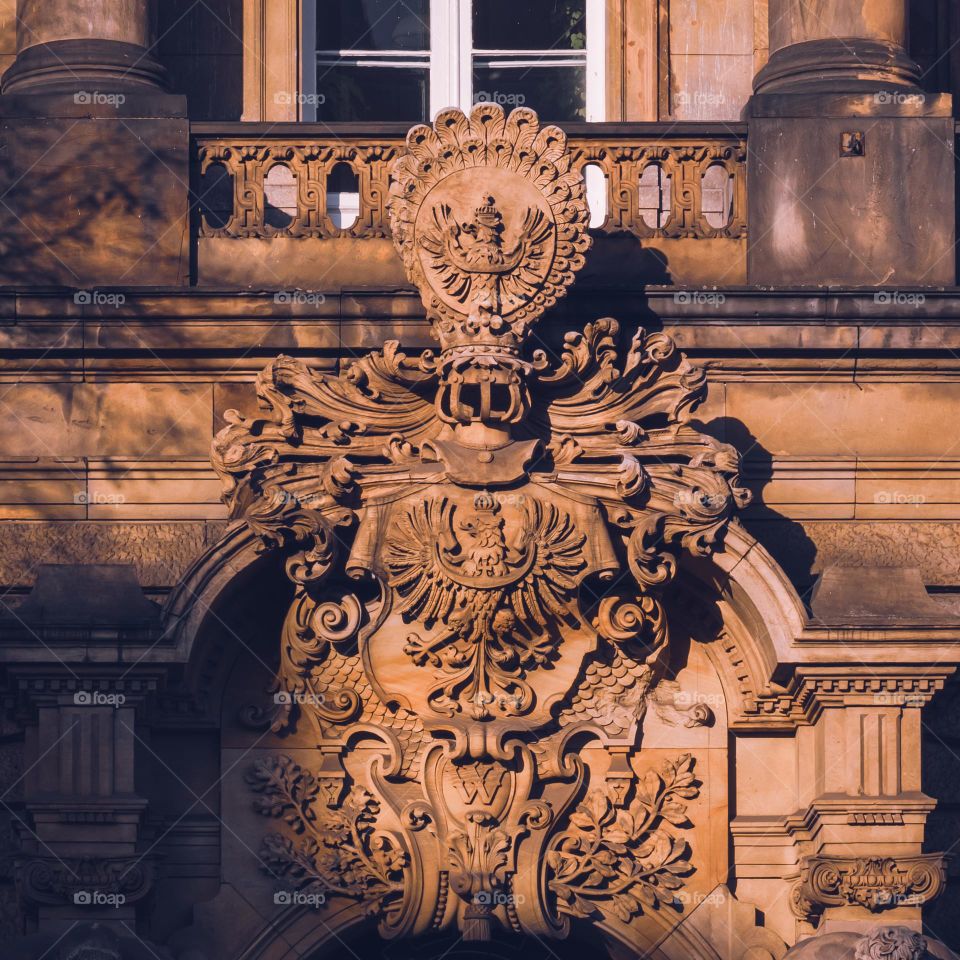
[(697, 182)]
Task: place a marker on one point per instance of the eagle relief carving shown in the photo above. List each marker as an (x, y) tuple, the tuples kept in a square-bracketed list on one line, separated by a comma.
[(479, 538)]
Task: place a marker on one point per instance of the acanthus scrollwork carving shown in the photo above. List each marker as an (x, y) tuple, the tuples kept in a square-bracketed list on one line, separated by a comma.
[(623, 861), (479, 540), (336, 850), (892, 943)]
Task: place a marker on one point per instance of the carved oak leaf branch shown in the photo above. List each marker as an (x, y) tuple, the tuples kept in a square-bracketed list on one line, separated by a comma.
[(337, 850), (622, 862)]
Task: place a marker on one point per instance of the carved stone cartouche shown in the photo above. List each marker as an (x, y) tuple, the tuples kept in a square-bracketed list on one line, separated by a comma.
[(478, 539)]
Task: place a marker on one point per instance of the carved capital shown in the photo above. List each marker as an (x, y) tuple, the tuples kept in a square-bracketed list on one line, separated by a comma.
[(875, 883), (84, 880)]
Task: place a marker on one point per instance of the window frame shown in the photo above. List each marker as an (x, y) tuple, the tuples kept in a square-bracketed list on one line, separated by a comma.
[(450, 60)]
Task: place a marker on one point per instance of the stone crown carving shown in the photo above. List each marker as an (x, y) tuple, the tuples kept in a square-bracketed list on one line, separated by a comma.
[(479, 541)]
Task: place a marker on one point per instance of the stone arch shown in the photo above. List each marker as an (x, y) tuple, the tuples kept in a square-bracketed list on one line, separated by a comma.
[(304, 936), (756, 607), (757, 616)]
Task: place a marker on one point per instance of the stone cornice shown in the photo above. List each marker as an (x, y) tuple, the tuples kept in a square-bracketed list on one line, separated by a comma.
[(814, 688), (753, 333)]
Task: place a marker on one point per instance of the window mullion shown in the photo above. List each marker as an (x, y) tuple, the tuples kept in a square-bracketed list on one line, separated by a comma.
[(308, 61), (444, 45), (596, 25), (465, 47)]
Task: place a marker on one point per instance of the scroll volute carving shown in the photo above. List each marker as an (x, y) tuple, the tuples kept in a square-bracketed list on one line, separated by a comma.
[(479, 537)]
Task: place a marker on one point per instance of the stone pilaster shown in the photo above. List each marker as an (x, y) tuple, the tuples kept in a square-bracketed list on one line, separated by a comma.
[(87, 123), (853, 848), (83, 856), (850, 160)]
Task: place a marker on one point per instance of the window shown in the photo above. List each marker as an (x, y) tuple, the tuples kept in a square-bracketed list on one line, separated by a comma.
[(403, 60)]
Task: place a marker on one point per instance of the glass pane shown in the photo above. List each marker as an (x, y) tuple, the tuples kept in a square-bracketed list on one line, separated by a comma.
[(556, 93), (280, 196), (529, 25), (373, 24), (343, 196), (348, 93)]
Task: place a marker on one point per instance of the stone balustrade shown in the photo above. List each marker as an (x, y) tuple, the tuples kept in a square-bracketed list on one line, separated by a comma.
[(254, 181)]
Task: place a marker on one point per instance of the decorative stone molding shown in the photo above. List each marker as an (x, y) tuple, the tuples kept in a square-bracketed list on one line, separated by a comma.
[(876, 883), (160, 552), (813, 689), (91, 942), (440, 517)]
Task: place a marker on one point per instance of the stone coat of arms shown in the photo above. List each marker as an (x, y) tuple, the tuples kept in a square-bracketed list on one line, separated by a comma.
[(478, 538)]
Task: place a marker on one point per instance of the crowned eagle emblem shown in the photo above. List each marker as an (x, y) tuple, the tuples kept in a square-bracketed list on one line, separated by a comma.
[(474, 264), (494, 597)]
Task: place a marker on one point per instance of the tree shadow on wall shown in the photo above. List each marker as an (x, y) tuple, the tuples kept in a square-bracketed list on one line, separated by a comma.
[(88, 202), (784, 538)]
